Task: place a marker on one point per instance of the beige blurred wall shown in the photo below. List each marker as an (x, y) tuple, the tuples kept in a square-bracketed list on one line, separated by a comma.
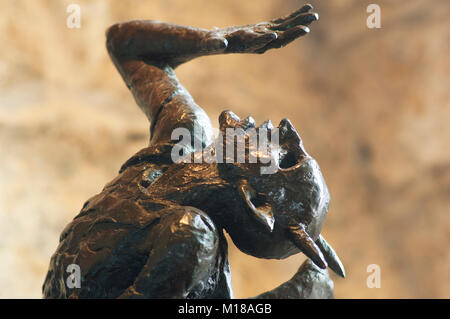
[(372, 106)]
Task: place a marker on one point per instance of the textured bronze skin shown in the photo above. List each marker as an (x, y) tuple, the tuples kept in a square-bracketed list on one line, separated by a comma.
[(157, 229)]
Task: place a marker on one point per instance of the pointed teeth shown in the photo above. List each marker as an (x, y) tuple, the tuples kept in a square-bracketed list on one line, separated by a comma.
[(331, 257), (301, 239), (228, 119), (267, 124), (248, 122)]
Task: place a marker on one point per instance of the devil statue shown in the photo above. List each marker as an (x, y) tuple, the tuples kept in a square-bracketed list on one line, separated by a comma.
[(157, 229)]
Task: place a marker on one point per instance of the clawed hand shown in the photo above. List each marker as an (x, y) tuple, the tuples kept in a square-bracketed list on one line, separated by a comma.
[(260, 37)]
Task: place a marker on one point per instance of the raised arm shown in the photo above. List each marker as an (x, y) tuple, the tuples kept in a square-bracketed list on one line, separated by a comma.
[(144, 53), (147, 52)]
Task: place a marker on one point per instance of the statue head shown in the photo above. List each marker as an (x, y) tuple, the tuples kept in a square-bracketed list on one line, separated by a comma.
[(280, 212)]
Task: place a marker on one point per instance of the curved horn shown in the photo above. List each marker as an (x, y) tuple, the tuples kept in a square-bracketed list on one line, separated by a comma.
[(331, 257), (304, 242), (264, 213)]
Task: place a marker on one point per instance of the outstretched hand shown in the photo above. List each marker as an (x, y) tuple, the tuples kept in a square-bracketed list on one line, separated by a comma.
[(260, 37)]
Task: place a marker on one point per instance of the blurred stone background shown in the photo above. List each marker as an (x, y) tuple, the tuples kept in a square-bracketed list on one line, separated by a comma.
[(372, 106)]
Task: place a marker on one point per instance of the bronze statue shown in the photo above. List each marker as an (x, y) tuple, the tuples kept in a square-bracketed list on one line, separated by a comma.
[(156, 230)]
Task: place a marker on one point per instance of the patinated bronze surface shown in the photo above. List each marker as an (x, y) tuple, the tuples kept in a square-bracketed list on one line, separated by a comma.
[(157, 229)]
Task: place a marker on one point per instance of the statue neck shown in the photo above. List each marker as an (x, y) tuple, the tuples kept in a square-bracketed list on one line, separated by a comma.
[(199, 186)]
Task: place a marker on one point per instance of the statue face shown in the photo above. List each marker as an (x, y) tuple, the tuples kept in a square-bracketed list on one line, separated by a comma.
[(291, 197), (280, 213)]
